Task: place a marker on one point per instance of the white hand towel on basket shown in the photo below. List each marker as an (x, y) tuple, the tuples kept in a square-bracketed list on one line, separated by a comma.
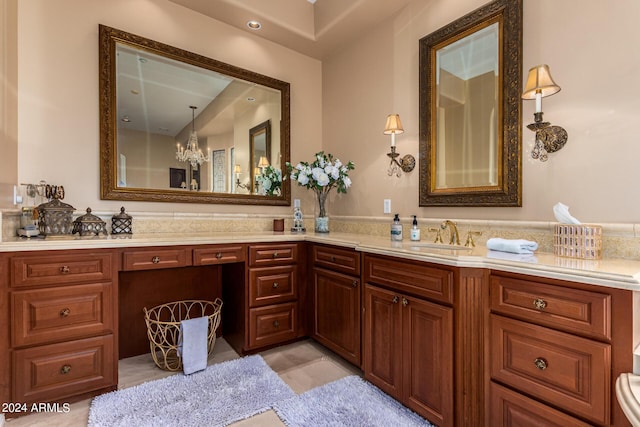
[(194, 333), (516, 246)]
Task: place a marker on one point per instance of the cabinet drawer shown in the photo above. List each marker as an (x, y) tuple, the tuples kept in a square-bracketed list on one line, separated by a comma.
[(271, 285), (572, 310), (279, 254), (410, 276), (219, 255), (337, 259), (154, 259), (56, 371), (569, 372), (272, 324), (53, 314), (511, 409), (60, 269)]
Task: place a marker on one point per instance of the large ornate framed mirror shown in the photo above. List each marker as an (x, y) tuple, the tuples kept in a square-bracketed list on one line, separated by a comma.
[(470, 118), (157, 100)]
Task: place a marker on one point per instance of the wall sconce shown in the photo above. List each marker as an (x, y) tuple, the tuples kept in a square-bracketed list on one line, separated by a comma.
[(263, 162), (549, 139), (237, 171), (408, 162)]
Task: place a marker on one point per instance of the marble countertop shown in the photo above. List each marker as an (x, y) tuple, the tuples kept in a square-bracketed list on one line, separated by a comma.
[(617, 273)]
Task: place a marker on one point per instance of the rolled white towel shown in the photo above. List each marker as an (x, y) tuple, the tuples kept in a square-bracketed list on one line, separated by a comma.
[(516, 246)]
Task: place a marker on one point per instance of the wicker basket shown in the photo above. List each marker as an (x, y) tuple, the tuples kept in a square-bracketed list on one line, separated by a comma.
[(163, 328), (578, 241)]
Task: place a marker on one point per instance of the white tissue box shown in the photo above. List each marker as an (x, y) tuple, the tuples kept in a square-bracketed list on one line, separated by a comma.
[(578, 241)]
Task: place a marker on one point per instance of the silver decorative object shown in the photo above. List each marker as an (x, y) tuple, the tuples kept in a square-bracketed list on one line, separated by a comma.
[(121, 223), (55, 218), (89, 225)]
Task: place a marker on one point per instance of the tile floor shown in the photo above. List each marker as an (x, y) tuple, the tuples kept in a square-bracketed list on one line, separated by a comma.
[(302, 365)]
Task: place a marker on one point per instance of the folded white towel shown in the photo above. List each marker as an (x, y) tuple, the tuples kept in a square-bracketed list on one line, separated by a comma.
[(530, 258), (518, 246), (194, 343)]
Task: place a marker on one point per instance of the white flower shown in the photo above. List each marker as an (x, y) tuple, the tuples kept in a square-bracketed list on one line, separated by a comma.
[(315, 172), (334, 172), (323, 179), (321, 161), (300, 166), (338, 163), (266, 184), (303, 179), (347, 181)]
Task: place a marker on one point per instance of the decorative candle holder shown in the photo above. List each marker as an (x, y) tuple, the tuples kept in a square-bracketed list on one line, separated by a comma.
[(89, 225), (55, 218), (121, 223)]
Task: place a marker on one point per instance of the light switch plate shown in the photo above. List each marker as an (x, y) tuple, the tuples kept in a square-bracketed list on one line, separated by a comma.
[(387, 206)]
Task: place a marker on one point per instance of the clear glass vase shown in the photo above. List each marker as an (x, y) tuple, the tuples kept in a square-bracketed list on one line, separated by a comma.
[(321, 215)]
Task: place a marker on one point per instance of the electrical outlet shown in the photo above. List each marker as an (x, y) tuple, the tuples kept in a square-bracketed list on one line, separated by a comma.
[(387, 206)]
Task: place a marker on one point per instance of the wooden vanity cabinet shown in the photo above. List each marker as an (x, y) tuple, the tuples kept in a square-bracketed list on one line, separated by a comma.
[(272, 295), (554, 345), (62, 333), (337, 300), (408, 334)]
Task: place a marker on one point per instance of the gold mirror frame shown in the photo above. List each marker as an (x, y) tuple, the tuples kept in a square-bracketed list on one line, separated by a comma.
[(508, 192), (109, 190)]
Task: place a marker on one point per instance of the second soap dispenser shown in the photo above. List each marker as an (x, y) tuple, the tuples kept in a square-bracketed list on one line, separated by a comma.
[(415, 231)]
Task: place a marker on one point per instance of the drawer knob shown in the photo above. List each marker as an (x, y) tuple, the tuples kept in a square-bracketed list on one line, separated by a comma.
[(276, 323), (395, 300), (65, 269), (333, 259), (405, 302), (540, 363), (155, 259), (275, 285), (65, 369), (539, 303), (275, 255), (354, 284), (219, 255), (65, 312)]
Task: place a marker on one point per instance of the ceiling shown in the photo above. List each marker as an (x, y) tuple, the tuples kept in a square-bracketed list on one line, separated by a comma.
[(315, 28)]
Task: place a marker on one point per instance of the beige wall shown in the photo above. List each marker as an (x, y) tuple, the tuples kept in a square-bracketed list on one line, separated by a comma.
[(591, 48), (341, 103), (58, 123)]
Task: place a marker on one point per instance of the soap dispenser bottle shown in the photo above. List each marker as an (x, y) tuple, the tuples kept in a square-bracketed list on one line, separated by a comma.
[(396, 229), (415, 231)]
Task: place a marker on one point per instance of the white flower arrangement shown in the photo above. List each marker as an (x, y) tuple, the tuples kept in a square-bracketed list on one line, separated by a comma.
[(321, 176), (270, 181)]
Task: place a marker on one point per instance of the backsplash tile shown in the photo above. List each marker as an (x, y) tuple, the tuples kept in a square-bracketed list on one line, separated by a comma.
[(619, 240)]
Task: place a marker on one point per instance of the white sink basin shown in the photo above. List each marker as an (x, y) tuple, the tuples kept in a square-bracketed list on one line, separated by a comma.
[(419, 246)]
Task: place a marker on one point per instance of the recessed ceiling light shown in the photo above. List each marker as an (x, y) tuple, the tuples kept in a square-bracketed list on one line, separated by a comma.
[(251, 99), (254, 25), (126, 119)]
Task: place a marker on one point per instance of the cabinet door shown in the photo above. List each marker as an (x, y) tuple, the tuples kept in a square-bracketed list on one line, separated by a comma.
[(383, 340), (336, 322), (427, 353)]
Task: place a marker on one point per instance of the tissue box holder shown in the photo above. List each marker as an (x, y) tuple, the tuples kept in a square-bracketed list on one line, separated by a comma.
[(582, 241)]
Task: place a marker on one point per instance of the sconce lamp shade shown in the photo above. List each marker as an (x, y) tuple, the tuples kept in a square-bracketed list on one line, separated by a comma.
[(237, 169), (263, 163), (540, 81), (394, 125), (256, 171)]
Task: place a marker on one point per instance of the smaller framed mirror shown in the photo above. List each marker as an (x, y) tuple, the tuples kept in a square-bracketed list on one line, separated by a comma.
[(470, 120), (260, 148)]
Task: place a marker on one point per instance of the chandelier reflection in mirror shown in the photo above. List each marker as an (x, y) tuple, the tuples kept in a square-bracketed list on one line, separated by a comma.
[(192, 153)]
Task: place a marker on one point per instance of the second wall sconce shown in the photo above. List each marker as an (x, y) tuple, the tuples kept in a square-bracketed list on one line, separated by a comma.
[(406, 163), (549, 139)]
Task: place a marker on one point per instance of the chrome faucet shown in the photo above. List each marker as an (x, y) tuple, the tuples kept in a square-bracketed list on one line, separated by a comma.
[(453, 231)]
